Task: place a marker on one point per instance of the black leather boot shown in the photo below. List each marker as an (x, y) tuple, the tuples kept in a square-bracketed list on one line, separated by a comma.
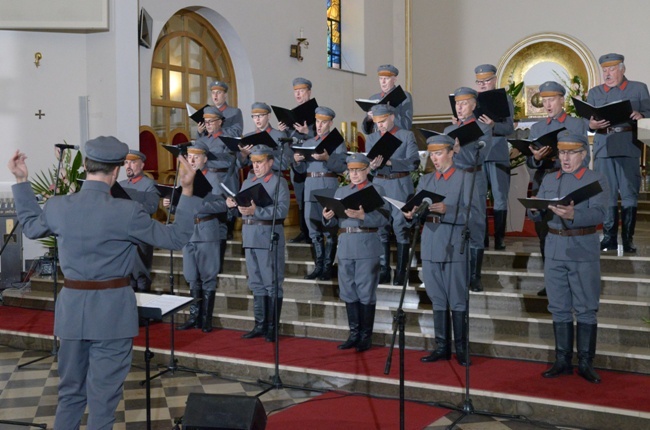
[(563, 351), (303, 236), (208, 308), (628, 223), (259, 312), (441, 325), (319, 255), (384, 262), (194, 320), (610, 239), (462, 354), (475, 265), (222, 254), (586, 345), (402, 263), (270, 317), (353, 310), (367, 321), (500, 218), (328, 260)]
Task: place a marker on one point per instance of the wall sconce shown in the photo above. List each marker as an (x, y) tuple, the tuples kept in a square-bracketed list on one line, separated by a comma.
[(37, 59), (295, 49)]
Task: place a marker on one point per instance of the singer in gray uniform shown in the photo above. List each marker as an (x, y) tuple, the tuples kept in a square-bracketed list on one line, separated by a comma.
[(96, 314), (572, 264), (233, 120), (142, 189), (552, 94), (444, 268), (395, 178), (256, 236), (322, 174), (358, 254), (201, 264), (615, 152), (497, 158), (260, 114), (403, 112), (466, 159)]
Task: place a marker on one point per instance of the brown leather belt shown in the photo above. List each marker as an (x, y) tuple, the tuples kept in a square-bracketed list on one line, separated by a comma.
[(97, 285), (198, 220), (435, 219), (262, 222), (612, 130), (473, 169), (320, 175), (392, 175), (223, 170), (358, 230), (573, 232)]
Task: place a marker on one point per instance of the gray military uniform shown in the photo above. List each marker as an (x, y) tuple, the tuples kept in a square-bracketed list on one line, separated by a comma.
[(233, 120), (256, 237), (403, 161), (97, 238), (497, 161), (287, 154), (221, 160), (572, 264), (359, 253), (403, 113)]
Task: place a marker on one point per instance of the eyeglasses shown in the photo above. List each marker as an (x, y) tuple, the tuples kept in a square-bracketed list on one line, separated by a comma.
[(569, 152), (357, 170), (485, 81), (258, 116), (211, 121)]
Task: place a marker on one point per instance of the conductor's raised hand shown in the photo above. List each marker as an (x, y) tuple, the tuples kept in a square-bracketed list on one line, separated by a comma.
[(186, 176), (18, 167)]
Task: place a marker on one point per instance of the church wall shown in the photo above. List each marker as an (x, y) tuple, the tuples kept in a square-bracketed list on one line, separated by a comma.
[(451, 38)]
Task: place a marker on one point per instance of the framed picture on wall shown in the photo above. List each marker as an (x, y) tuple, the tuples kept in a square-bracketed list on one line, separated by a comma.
[(533, 102)]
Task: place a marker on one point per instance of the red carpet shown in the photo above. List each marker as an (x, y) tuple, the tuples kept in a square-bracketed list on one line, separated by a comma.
[(341, 410), (505, 376)]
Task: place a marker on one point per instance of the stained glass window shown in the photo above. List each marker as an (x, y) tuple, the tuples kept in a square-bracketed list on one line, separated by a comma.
[(334, 34)]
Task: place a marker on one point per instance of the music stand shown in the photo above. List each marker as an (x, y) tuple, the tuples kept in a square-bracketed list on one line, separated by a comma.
[(153, 307)]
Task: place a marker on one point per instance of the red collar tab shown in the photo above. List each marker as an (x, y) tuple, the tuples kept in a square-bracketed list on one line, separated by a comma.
[(622, 86), (217, 134), (136, 179), (223, 107), (578, 173), (446, 175), (360, 186)]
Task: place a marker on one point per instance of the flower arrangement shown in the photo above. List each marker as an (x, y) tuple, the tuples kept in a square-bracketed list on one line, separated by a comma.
[(576, 89), (514, 91)]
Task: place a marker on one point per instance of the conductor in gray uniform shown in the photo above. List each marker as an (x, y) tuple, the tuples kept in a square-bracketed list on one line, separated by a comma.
[(572, 263), (322, 174), (497, 159), (543, 161), (466, 159), (358, 254), (444, 268), (615, 152), (403, 112), (96, 314), (201, 263), (395, 178), (256, 235), (142, 189)]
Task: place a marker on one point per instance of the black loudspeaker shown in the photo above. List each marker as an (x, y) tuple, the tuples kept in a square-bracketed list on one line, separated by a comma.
[(223, 412)]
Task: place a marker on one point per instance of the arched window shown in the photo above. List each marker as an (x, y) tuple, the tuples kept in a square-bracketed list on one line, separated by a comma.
[(189, 54)]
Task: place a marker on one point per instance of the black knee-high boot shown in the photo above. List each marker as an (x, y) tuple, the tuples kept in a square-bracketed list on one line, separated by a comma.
[(402, 263), (319, 255), (628, 223), (586, 345), (475, 266), (610, 234), (384, 261), (458, 321), (328, 259), (270, 318), (353, 311), (563, 350), (260, 311), (194, 320), (366, 326), (208, 309), (500, 218), (441, 326)]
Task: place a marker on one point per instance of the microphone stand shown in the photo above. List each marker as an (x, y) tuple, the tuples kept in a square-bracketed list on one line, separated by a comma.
[(55, 269), (400, 324), (468, 407)]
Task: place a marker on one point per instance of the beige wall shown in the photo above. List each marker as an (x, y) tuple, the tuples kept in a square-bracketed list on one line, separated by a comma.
[(451, 37)]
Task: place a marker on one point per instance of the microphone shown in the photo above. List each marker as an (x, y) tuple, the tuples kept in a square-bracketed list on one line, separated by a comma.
[(424, 206), (63, 146), (292, 140), (480, 144)]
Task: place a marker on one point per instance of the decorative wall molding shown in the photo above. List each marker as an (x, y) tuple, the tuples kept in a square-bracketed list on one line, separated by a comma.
[(82, 16)]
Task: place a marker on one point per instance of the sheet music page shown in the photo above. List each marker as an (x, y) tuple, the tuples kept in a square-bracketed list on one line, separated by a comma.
[(165, 302)]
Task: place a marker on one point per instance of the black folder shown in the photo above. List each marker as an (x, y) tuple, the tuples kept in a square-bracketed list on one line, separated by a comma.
[(548, 139), (467, 133), (300, 114), (178, 149), (494, 104), (201, 188), (416, 200), (261, 138), (616, 112), (577, 196), (329, 144), (368, 198), (385, 146), (394, 98), (197, 116), (257, 194), (116, 190)]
